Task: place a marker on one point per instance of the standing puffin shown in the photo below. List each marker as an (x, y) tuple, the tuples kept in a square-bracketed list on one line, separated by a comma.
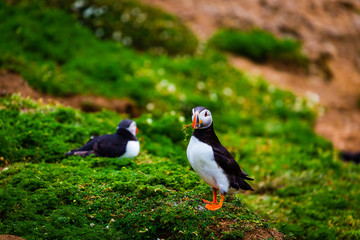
[(211, 161), (121, 144)]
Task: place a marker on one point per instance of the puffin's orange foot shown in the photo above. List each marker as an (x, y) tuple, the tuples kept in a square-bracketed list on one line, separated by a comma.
[(214, 198), (206, 201), (213, 207)]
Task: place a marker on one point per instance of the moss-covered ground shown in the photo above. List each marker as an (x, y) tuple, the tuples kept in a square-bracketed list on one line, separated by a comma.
[(47, 196)]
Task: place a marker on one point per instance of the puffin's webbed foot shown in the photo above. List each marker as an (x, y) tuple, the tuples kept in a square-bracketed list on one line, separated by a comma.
[(214, 198), (213, 207)]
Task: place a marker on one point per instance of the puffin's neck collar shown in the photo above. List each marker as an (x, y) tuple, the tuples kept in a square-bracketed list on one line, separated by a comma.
[(207, 135)]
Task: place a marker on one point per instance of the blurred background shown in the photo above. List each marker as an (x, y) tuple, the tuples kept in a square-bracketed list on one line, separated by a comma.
[(329, 33)]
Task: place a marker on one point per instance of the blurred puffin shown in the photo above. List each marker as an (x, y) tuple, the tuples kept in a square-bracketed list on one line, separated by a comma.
[(349, 156), (211, 161), (121, 144)]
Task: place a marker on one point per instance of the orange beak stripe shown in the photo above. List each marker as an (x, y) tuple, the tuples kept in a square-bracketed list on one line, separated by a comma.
[(196, 121)]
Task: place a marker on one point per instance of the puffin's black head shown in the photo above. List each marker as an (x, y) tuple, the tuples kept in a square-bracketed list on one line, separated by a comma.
[(201, 117), (128, 125)]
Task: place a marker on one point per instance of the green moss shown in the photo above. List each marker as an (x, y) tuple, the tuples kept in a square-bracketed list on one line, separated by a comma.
[(291, 228), (323, 233), (351, 235), (106, 201), (260, 46), (103, 189), (130, 22)]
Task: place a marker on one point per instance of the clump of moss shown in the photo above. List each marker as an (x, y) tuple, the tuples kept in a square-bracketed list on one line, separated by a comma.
[(132, 23), (142, 26), (260, 46)]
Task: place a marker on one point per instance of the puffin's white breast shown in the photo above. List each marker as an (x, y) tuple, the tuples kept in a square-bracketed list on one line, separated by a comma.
[(132, 149), (201, 158)]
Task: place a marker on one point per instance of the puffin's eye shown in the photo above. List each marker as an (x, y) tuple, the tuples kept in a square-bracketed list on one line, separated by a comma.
[(206, 114)]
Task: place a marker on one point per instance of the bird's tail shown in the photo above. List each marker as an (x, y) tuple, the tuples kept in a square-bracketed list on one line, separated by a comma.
[(244, 175), (80, 153), (69, 153), (239, 183), (248, 178)]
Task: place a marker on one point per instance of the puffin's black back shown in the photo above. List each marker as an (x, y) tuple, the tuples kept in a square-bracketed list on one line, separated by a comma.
[(110, 145), (113, 145), (224, 158)]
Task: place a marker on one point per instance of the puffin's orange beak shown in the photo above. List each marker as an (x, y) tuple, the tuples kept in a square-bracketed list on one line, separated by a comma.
[(137, 130), (196, 121)]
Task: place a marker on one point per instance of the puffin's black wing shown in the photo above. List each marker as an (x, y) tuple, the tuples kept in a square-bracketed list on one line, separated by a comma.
[(232, 169), (85, 150), (112, 145)]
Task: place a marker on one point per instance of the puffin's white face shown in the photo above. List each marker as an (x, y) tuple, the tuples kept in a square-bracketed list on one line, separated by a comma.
[(201, 119), (133, 129)]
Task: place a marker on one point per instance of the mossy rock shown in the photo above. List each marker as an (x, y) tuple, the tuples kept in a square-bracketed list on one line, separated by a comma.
[(132, 23)]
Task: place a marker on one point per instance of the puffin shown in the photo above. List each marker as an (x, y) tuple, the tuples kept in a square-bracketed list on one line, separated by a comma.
[(212, 161), (121, 144), (350, 156)]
